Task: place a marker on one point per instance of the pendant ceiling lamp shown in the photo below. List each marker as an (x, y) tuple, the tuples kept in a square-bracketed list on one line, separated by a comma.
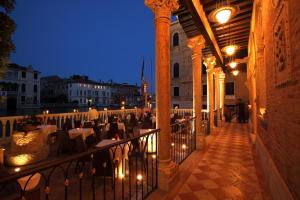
[(231, 48), (235, 72), (223, 12), (233, 64)]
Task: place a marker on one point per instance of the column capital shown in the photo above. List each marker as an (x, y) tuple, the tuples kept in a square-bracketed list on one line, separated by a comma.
[(155, 5), (196, 43), (218, 70), (210, 63), (222, 76)]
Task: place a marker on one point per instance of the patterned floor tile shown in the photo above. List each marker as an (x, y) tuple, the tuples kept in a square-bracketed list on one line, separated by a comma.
[(226, 171)]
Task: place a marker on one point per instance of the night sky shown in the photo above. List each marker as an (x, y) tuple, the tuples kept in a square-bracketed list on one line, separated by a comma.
[(98, 38)]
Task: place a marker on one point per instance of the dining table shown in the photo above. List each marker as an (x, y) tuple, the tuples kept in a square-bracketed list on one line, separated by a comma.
[(84, 132)]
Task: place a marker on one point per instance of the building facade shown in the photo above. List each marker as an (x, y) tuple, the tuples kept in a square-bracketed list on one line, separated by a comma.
[(79, 90), (20, 88), (182, 79)]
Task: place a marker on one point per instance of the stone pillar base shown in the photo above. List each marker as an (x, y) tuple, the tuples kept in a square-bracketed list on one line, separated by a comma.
[(167, 176), (200, 142)]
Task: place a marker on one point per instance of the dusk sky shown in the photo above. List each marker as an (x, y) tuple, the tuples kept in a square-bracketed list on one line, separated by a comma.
[(101, 39)]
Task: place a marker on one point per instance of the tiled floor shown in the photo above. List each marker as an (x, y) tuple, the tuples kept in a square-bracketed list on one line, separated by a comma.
[(227, 170)]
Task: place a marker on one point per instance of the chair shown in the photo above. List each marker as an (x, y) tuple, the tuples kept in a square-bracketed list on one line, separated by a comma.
[(90, 141), (88, 125), (97, 130), (103, 164), (77, 123), (53, 143), (79, 148), (64, 143)]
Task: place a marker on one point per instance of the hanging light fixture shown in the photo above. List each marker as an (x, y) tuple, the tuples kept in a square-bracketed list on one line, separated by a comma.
[(233, 64), (223, 12), (230, 49), (235, 72)]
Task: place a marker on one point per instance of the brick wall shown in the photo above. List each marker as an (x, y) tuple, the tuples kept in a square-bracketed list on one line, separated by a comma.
[(279, 130)]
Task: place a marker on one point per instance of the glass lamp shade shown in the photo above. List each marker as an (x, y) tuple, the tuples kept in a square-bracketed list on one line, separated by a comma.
[(230, 50), (223, 16), (235, 72), (233, 64)]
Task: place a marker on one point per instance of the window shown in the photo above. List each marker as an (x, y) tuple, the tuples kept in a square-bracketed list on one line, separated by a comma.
[(176, 91), (229, 88), (35, 76), (23, 74), (35, 99), (80, 92), (176, 70), (175, 40), (23, 88), (35, 88), (22, 99), (204, 90)]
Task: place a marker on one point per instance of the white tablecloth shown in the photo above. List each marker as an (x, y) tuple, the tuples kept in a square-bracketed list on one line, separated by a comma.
[(116, 149), (84, 132), (47, 129)]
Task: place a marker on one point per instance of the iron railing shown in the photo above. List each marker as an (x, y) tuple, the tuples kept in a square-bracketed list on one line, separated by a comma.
[(183, 139), (125, 169)]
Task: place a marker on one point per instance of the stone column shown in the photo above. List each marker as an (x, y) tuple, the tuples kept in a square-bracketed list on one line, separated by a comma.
[(222, 93), (210, 63), (167, 170), (197, 44), (218, 71)]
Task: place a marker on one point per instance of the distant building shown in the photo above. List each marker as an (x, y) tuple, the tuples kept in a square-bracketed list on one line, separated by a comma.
[(182, 75), (126, 93), (83, 92), (20, 88)]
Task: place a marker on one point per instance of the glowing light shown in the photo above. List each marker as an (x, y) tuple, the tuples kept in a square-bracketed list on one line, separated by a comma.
[(105, 109), (233, 64), (17, 169), (183, 146), (262, 111), (172, 144), (235, 72), (230, 50), (223, 15), (121, 175), (139, 177), (21, 159), (153, 156)]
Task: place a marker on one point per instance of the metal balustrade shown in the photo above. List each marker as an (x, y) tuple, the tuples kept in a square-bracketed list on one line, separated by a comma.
[(126, 169), (9, 124), (183, 139)]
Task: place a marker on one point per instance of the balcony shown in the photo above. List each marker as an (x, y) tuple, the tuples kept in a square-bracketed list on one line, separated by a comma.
[(108, 169)]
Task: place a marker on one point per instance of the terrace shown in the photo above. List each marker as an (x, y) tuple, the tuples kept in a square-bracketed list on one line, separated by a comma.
[(195, 155)]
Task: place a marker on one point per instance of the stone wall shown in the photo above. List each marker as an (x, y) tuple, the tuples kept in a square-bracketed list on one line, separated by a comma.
[(274, 84)]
